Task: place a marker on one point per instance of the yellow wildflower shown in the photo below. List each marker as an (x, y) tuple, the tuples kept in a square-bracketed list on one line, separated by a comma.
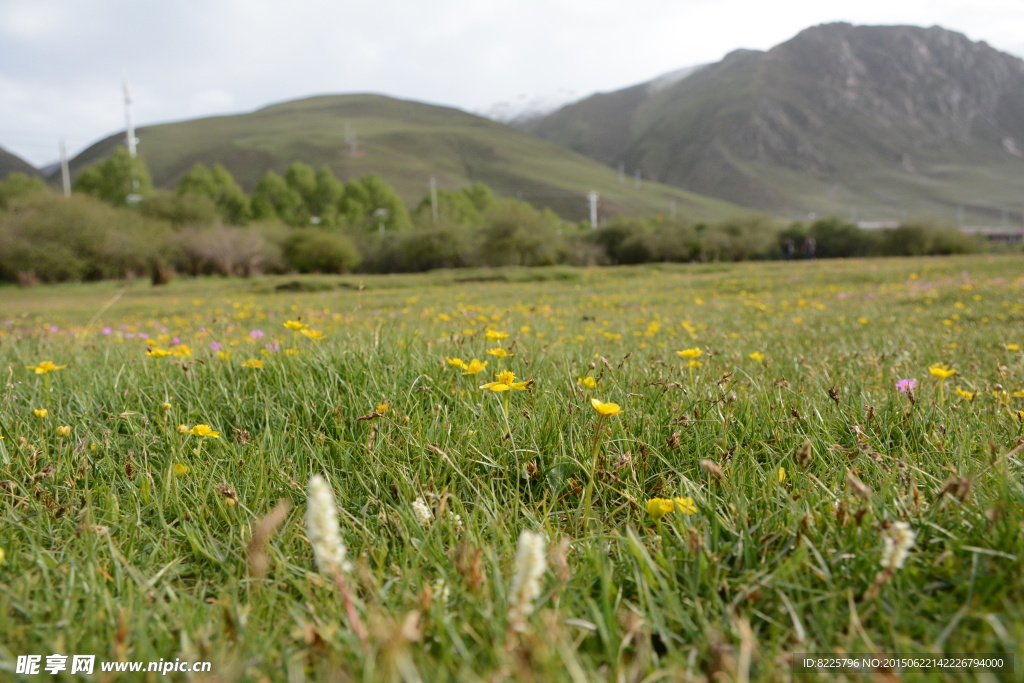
[(382, 408), (204, 430), (183, 429), (605, 409), (157, 352), (689, 353), (494, 334), (588, 382), (474, 367), (252, 363), (499, 353), (295, 325), (457, 362), (506, 380), (1008, 347), (181, 470), (315, 335), (941, 370), (63, 431), (165, 406), (45, 367), (756, 355), (659, 507), (181, 351), (782, 474), (969, 395), (41, 413)]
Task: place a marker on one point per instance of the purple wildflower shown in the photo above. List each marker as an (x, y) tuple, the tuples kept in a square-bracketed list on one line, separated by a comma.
[(906, 385)]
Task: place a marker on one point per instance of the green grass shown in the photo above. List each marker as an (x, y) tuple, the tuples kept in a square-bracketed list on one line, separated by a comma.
[(405, 143), (109, 551)]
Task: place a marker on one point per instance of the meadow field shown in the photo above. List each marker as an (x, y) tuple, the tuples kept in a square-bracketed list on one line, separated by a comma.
[(678, 472)]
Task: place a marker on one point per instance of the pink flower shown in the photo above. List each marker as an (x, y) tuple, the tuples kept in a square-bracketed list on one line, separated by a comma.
[(906, 385), (256, 334)]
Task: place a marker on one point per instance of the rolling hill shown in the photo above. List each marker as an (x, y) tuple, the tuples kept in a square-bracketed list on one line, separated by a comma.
[(864, 122), (11, 163), (405, 143)]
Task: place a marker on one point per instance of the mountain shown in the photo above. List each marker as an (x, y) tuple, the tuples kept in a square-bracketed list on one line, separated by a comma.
[(11, 163), (868, 122), (405, 143)]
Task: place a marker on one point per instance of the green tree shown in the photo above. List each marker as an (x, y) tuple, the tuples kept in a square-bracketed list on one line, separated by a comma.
[(369, 201), (117, 180), (19, 185), (461, 207), (220, 187), (326, 196), (275, 199)]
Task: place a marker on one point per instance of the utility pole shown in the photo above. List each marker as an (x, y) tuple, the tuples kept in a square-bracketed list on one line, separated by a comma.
[(433, 198), (130, 125), (592, 197), (64, 173)]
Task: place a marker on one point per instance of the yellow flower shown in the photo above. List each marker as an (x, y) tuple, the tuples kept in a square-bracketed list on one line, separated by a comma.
[(694, 364), (41, 413), (1008, 347), (500, 353), (941, 370), (494, 334), (383, 408), (1018, 394), (183, 429), (605, 409), (295, 325), (756, 355), (165, 406), (474, 367), (63, 431), (204, 430), (689, 353), (181, 470), (506, 380), (181, 351), (969, 395), (45, 367), (782, 474), (157, 352), (252, 363), (457, 362), (315, 335), (2, 555), (588, 382), (659, 507)]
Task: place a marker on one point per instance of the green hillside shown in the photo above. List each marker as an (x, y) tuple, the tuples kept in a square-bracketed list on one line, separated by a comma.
[(11, 163), (865, 122), (406, 143)]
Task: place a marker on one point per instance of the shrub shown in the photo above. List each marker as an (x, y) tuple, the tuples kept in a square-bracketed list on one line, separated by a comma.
[(315, 251)]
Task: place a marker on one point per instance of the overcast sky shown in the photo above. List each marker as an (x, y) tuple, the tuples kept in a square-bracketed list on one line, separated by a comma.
[(62, 62)]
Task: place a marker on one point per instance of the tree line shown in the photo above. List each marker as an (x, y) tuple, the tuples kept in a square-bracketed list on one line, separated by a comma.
[(116, 225)]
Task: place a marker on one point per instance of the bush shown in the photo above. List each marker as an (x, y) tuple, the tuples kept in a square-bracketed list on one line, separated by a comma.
[(308, 250), (226, 250)]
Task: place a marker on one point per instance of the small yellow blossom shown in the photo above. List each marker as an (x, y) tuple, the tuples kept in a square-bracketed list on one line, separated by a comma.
[(474, 367), (181, 351), (157, 352), (165, 406), (605, 409), (2, 555), (659, 507), (204, 430), (183, 429), (499, 353), (689, 353), (45, 367), (588, 382), (252, 363), (383, 408), (457, 362), (782, 474), (295, 325), (315, 335), (63, 431), (494, 334), (1008, 347), (41, 413), (969, 395), (181, 470), (694, 364), (756, 355), (506, 380), (941, 370)]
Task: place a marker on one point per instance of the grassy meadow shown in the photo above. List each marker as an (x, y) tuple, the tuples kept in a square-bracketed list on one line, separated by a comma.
[(795, 468)]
